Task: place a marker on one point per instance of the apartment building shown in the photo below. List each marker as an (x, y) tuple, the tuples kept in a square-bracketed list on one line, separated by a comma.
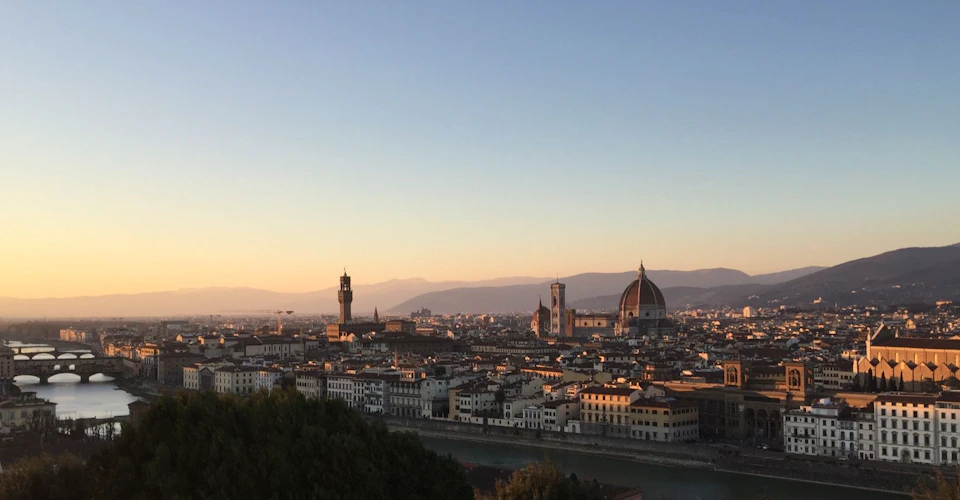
[(664, 419)]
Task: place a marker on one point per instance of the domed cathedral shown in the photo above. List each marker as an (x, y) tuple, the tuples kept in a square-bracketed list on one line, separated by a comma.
[(540, 324), (642, 309), (642, 312)]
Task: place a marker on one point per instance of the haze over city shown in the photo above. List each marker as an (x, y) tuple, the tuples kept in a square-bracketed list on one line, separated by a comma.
[(155, 146)]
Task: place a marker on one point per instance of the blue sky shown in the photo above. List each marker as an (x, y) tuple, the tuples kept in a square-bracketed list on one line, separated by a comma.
[(154, 145)]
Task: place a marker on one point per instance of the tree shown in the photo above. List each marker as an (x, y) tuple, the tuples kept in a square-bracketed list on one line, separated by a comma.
[(543, 481), (883, 382), (270, 445), (62, 477), (941, 488), (873, 381), (856, 384)]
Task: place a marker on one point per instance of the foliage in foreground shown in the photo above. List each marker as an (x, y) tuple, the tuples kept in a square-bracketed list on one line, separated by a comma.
[(941, 489), (277, 445), (544, 481)]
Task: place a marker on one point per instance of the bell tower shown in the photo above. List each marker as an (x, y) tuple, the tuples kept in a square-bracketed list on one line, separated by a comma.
[(345, 295), (558, 303)]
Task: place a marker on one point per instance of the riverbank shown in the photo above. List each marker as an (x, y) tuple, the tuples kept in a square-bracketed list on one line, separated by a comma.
[(866, 476)]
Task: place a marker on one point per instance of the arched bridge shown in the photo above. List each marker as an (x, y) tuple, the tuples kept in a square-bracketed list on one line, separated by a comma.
[(84, 367)]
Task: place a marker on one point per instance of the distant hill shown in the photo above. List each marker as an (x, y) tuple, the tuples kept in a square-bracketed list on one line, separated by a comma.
[(595, 287), (205, 301), (905, 275), (900, 276)]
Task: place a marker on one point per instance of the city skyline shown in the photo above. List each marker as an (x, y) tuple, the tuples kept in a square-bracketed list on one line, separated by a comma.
[(149, 147)]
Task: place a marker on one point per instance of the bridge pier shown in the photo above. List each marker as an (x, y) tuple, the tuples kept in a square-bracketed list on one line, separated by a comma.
[(84, 378), (44, 378)]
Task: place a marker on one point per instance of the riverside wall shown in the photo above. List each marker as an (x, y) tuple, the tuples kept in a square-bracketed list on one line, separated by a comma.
[(868, 475)]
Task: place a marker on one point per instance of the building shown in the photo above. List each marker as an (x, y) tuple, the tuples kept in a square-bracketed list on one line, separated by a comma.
[(749, 312), (918, 363), (77, 335), (826, 428), (907, 427), (642, 309), (346, 326), (540, 323), (345, 297), (347, 388), (642, 312), (235, 379), (312, 384), (17, 411), (268, 377), (606, 410), (7, 365), (558, 303), (556, 413), (752, 400), (170, 366), (664, 419)]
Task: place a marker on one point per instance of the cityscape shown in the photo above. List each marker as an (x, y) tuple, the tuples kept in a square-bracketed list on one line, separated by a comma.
[(687, 250), (725, 388)]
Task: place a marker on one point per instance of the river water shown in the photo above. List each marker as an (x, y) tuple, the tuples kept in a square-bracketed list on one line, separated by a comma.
[(657, 482), (99, 398)]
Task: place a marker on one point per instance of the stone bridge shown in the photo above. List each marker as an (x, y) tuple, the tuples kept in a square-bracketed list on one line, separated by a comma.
[(82, 366)]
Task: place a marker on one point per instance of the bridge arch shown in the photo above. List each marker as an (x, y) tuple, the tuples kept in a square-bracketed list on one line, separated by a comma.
[(67, 355)]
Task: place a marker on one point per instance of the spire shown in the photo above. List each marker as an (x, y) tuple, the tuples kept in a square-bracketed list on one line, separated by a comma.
[(643, 271), (376, 315)]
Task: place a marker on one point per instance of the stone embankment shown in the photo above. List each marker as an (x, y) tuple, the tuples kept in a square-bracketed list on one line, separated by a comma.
[(869, 475)]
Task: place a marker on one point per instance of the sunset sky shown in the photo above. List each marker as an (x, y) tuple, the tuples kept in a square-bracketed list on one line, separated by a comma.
[(159, 145)]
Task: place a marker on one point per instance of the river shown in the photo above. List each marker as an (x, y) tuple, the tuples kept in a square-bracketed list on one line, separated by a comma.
[(657, 482), (99, 398)]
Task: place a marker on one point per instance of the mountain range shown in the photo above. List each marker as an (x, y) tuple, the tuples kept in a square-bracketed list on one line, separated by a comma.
[(900, 276)]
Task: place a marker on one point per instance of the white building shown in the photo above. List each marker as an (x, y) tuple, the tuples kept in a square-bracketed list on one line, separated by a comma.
[(827, 429), (267, 377), (235, 380), (907, 428), (347, 388)]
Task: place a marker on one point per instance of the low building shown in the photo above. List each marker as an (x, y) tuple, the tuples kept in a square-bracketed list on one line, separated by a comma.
[(268, 377), (17, 411), (606, 410), (312, 384), (664, 419), (826, 428), (556, 413), (236, 379)]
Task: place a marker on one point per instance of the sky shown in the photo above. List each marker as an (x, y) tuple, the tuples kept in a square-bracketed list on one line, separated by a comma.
[(154, 145)]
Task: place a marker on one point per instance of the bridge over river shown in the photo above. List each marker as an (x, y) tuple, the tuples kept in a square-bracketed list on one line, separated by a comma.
[(44, 365)]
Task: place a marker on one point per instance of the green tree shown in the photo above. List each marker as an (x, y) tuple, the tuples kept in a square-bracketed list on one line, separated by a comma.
[(268, 446), (62, 477), (883, 383), (873, 381), (543, 481)]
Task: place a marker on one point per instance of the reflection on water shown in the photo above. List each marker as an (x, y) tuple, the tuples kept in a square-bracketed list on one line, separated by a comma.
[(99, 398), (657, 482)]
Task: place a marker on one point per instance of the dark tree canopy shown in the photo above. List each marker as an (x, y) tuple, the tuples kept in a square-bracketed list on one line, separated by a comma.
[(543, 481), (269, 446), (62, 477)]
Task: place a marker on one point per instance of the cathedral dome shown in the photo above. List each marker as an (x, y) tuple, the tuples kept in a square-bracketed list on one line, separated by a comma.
[(641, 292)]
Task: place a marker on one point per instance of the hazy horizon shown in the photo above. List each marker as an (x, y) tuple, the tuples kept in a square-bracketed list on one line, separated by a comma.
[(150, 146)]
